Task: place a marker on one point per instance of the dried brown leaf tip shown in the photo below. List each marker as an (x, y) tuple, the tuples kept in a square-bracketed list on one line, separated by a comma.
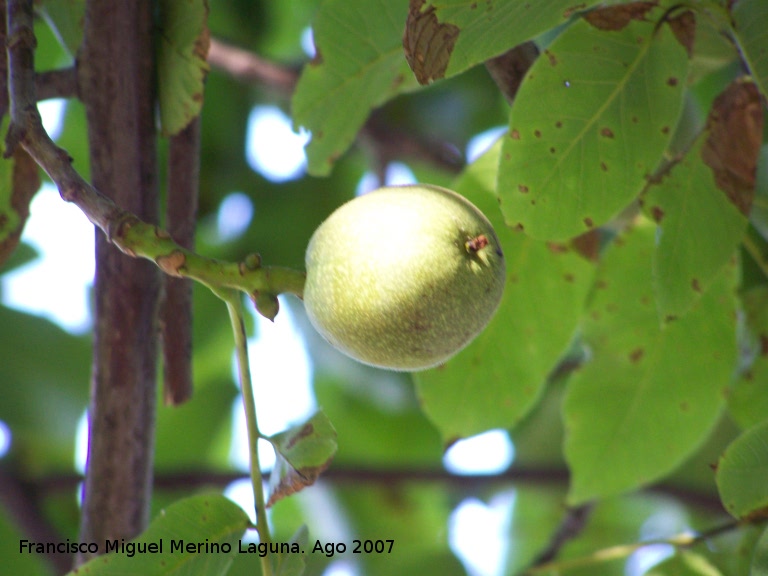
[(617, 17), (735, 127), (427, 43), (508, 69), (683, 27)]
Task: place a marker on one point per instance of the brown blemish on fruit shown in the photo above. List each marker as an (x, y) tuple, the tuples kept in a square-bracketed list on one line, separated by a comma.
[(588, 222), (514, 134), (672, 81), (523, 189), (606, 132), (537, 133), (657, 214)]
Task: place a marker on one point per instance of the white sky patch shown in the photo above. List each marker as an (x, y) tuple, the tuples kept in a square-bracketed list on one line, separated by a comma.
[(488, 453), (234, 216), (341, 568), (5, 438), (52, 114), (281, 373), (478, 533), (81, 443), (272, 148), (397, 174), (482, 142), (55, 285), (308, 42)]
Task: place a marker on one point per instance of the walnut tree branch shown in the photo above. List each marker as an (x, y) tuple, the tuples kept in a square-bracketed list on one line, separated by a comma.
[(126, 231)]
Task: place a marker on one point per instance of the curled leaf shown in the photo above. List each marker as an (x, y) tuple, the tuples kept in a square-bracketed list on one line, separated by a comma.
[(303, 452)]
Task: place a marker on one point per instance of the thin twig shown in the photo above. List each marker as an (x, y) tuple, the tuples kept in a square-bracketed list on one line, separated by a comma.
[(20, 500), (249, 67), (572, 524), (680, 541), (235, 308)]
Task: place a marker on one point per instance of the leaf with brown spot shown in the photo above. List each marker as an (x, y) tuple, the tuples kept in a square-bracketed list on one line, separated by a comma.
[(640, 373), (617, 17), (699, 230), (684, 29), (19, 181), (427, 43), (735, 127), (302, 453)]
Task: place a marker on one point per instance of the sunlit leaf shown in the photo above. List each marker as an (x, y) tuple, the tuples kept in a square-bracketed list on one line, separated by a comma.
[(640, 406), (750, 18), (742, 471), (359, 65), (181, 61), (590, 123), (303, 452), (210, 519), (497, 379)]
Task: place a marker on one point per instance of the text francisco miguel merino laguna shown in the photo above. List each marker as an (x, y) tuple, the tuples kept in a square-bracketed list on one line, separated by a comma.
[(159, 547)]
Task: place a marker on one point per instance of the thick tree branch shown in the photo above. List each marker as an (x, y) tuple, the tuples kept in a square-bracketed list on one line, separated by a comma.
[(115, 74), (176, 309)]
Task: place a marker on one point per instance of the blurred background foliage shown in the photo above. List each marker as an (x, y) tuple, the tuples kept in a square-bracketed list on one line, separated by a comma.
[(388, 480)]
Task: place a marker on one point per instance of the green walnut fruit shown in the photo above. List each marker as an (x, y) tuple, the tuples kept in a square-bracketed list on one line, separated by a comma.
[(403, 277)]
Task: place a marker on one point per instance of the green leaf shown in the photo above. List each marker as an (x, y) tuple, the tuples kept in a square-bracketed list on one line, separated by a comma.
[(65, 17), (760, 558), (699, 230), (589, 124), (482, 30), (684, 564), (181, 62), (206, 520), (641, 405), (750, 19), (359, 65), (748, 399), (293, 564), (742, 472), (497, 379), (303, 452), (379, 425), (42, 401)]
